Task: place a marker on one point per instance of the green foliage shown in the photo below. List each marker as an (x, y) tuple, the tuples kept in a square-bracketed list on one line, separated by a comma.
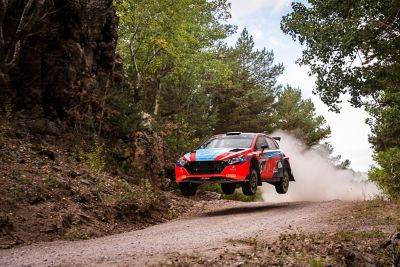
[(94, 158), (142, 196), (75, 233), (346, 236), (246, 102), (51, 181), (298, 117), (179, 70), (181, 137), (16, 194), (353, 47), (123, 113), (8, 113), (317, 262), (350, 46), (157, 39), (237, 196), (385, 121), (387, 176)]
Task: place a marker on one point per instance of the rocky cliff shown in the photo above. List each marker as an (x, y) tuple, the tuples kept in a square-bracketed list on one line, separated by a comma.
[(67, 61)]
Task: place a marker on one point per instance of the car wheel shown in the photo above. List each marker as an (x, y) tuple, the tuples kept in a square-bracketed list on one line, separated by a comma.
[(249, 188), (283, 185), (228, 189), (188, 189)]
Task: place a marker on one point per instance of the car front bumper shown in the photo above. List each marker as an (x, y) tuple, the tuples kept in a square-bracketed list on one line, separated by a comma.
[(230, 174)]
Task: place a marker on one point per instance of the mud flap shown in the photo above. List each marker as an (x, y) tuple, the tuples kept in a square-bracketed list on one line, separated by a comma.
[(286, 164), (291, 177)]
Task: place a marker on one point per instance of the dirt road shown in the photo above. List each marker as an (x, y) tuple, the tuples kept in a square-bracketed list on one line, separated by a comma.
[(206, 231)]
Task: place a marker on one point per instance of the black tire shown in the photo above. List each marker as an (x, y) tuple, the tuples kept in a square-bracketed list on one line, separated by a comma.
[(249, 188), (283, 186), (228, 189), (188, 189)]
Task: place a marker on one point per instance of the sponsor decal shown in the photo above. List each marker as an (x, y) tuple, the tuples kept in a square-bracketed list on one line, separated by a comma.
[(274, 153)]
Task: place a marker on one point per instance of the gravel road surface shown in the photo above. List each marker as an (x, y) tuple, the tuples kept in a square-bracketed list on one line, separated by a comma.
[(205, 231)]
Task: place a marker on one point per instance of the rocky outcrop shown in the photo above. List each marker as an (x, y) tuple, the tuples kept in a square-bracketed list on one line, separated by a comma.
[(67, 67), (67, 64)]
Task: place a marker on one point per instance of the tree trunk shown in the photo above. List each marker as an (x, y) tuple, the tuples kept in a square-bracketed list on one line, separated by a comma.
[(157, 98)]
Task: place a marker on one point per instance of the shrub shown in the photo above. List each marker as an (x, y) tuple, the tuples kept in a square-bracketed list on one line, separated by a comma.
[(122, 114), (94, 158), (238, 195), (387, 176), (143, 196), (51, 181)]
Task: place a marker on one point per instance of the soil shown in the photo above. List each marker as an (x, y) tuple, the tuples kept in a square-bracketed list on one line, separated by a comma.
[(49, 193)]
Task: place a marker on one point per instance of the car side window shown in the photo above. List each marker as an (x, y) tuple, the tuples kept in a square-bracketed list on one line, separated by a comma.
[(276, 144), (272, 144), (260, 142)]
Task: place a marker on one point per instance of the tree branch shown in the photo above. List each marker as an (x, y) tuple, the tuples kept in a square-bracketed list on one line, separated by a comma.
[(150, 59), (3, 10), (27, 20)]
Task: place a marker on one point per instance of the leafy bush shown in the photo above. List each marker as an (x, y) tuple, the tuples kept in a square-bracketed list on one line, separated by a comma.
[(143, 196), (51, 181), (94, 158), (238, 195), (387, 176), (180, 137), (123, 115)]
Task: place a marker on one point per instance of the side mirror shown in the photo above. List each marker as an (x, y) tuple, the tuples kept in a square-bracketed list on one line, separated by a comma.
[(263, 147)]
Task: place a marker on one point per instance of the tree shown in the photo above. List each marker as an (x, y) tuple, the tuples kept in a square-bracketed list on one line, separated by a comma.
[(246, 102), (354, 47), (298, 116), (351, 46), (158, 37), (194, 85), (325, 150), (388, 175)]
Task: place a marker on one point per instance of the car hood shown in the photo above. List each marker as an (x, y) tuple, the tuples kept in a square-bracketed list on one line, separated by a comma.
[(209, 154)]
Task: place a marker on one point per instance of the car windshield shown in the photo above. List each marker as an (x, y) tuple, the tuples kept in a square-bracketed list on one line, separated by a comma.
[(229, 142)]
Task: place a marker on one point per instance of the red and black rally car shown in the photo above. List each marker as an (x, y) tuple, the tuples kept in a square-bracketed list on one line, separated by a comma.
[(235, 159)]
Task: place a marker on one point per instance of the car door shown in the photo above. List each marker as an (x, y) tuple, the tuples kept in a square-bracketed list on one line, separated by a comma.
[(274, 157), (262, 155)]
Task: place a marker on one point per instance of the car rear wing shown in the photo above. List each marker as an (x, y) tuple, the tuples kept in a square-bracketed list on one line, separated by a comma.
[(277, 138)]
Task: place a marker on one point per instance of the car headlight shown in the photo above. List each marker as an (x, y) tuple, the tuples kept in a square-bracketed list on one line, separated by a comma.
[(181, 162), (235, 160)]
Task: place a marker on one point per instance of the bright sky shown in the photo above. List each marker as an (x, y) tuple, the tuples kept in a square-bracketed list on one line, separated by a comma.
[(262, 18)]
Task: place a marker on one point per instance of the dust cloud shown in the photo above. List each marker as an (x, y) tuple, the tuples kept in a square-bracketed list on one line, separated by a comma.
[(317, 178)]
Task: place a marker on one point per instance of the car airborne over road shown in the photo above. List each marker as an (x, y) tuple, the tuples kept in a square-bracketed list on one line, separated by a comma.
[(235, 159)]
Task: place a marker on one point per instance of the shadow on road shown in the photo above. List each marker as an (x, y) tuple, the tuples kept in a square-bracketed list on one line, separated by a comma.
[(254, 209)]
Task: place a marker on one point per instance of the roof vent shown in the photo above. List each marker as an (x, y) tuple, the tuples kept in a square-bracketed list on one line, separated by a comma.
[(233, 133)]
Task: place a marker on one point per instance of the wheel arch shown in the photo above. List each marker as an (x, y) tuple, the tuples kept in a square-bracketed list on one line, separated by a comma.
[(255, 164)]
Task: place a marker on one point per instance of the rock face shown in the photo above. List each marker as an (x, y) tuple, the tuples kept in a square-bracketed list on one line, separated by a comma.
[(67, 67), (68, 63)]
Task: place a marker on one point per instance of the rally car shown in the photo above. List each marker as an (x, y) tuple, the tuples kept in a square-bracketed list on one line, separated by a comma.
[(235, 160)]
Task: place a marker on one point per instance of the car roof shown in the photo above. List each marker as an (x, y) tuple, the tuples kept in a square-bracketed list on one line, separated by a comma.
[(240, 134)]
